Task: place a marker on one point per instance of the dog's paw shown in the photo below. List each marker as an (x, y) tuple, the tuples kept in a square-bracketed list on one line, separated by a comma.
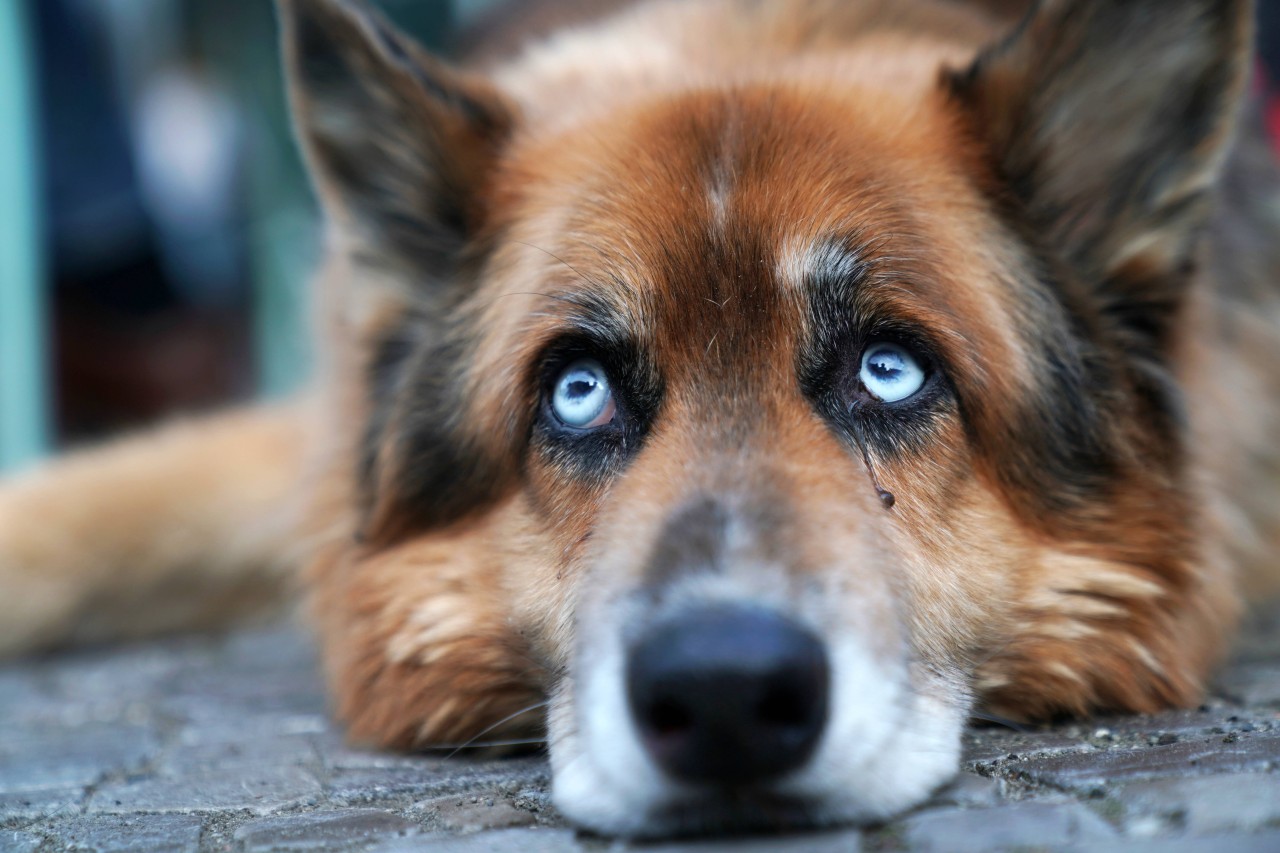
[(36, 596)]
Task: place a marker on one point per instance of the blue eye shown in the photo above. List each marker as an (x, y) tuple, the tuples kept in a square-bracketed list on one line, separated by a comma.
[(582, 397), (890, 373)]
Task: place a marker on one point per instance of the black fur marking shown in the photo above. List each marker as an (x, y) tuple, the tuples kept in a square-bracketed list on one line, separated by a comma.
[(440, 473), (692, 541), (422, 465), (383, 375), (1062, 433), (320, 64)]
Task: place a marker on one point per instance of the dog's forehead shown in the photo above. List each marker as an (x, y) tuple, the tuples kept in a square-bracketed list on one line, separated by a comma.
[(693, 191), (704, 221)]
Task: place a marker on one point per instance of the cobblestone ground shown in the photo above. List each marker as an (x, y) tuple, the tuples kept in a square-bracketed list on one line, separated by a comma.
[(224, 745)]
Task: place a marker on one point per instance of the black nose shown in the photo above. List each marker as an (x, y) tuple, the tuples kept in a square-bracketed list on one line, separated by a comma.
[(728, 695)]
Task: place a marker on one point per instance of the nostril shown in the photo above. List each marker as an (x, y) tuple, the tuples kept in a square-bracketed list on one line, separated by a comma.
[(667, 718), (728, 695)]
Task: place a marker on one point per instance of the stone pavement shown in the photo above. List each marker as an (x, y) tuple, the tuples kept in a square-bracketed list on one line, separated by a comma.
[(224, 745)]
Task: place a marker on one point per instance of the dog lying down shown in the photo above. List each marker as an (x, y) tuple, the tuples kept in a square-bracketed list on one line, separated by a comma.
[(749, 390)]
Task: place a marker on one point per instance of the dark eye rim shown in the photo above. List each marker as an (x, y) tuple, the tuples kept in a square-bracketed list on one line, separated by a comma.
[(828, 366), (889, 429), (592, 455), (619, 362)]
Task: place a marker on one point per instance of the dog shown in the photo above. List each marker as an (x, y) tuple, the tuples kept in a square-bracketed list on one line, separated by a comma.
[(750, 391)]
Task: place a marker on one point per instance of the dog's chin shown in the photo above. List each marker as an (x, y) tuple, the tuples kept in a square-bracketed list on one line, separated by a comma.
[(726, 813), (902, 779), (747, 812)]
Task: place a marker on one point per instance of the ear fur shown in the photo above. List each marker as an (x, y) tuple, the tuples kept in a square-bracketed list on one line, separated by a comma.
[(398, 143), (1110, 121), (401, 149)]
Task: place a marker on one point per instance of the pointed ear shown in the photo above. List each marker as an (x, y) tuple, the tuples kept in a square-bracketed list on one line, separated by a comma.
[(399, 145), (1110, 120)]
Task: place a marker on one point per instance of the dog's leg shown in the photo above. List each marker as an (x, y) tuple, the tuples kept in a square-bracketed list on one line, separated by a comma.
[(420, 646), (186, 527)]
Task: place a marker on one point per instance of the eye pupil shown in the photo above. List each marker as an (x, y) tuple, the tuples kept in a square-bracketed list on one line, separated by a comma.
[(580, 388), (886, 365)]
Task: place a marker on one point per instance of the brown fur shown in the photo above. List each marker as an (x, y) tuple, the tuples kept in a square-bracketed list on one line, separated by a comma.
[(1080, 496)]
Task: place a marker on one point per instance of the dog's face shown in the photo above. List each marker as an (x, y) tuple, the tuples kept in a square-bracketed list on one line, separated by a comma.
[(767, 427)]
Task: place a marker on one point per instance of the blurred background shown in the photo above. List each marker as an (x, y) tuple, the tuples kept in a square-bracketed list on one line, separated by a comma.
[(156, 229)]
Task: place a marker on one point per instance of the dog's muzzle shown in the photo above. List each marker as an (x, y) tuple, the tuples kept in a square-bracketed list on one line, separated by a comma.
[(728, 696)]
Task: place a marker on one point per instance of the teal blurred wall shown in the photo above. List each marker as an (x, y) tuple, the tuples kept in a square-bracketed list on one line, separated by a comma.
[(23, 329)]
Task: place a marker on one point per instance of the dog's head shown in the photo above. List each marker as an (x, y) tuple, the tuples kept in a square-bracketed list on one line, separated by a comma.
[(769, 416)]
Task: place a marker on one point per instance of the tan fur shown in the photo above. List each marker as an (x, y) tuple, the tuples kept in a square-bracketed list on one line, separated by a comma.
[(188, 526)]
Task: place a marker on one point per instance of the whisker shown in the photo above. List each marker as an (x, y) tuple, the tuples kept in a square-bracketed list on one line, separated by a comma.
[(1001, 721), (456, 747), (553, 255), (555, 297), (43, 817), (467, 744)]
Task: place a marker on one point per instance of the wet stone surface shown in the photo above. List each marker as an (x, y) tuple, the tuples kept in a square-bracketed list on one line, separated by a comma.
[(225, 745)]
